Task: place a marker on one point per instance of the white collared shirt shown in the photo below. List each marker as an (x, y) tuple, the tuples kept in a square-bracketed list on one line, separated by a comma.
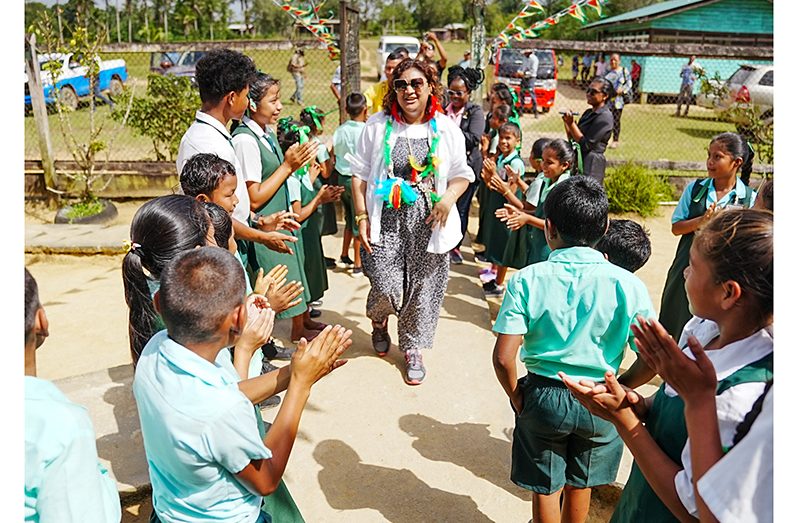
[(208, 135), (733, 404), (368, 164)]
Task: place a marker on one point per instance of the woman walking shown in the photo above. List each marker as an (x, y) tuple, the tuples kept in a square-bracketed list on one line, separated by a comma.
[(409, 169)]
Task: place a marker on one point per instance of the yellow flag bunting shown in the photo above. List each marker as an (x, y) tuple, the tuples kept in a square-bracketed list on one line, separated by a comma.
[(514, 31), (310, 20)]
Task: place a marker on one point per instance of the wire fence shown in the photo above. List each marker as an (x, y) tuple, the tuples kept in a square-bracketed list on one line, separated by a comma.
[(650, 131)]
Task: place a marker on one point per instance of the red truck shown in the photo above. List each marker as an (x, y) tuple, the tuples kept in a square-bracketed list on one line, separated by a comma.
[(511, 67)]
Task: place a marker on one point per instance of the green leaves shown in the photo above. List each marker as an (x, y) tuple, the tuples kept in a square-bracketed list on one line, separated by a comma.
[(633, 188)]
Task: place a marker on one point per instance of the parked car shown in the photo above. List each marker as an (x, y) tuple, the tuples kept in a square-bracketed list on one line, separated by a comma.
[(176, 63), (511, 67), (389, 44), (751, 86), (72, 83)]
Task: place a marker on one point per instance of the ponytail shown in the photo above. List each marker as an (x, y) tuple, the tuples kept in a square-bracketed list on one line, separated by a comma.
[(748, 163), (738, 147), (142, 315)]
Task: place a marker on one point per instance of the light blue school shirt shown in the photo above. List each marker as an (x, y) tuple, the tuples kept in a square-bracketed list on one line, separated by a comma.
[(246, 275), (345, 141), (64, 480), (575, 311), (682, 210), (513, 161), (199, 431), (322, 154)]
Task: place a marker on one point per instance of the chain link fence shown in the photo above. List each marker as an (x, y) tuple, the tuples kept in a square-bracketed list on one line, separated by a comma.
[(650, 132)]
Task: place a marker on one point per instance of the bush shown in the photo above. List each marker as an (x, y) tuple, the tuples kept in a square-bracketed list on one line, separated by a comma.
[(633, 188)]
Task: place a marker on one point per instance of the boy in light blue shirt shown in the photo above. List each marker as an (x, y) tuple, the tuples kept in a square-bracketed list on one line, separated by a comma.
[(345, 140), (572, 313), (64, 480), (206, 458)]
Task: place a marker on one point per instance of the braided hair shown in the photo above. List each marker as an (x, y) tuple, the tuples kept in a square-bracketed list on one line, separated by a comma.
[(472, 78)]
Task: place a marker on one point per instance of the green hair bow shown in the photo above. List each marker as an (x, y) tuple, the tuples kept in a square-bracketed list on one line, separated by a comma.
[(287, 125)]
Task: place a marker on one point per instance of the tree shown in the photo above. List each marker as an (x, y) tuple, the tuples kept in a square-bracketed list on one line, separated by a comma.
[(437, 13)]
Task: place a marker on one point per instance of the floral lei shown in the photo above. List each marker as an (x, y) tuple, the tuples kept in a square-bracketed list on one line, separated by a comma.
[(394, 190)]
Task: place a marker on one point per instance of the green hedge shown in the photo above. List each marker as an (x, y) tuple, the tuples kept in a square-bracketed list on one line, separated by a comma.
[(632, 187)]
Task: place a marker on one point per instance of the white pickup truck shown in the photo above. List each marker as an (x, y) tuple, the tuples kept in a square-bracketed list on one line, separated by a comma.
[(72, 83)]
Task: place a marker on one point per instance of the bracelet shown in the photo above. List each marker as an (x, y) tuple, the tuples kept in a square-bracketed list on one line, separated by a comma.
[(362, 216)]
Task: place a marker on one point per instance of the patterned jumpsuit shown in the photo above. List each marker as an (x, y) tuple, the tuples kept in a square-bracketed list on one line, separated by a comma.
[(406, 280)]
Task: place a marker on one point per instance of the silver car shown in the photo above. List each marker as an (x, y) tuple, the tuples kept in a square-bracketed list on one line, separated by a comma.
[(751, 86)]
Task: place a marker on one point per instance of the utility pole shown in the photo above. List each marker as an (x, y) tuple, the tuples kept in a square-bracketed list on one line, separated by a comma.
[(118, 34), (60, 27), (478, 60), (349, 44), (40, 113)]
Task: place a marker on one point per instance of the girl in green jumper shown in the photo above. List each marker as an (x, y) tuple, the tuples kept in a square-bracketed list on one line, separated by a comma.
[(265, 170), (313, 118), (729, 284)]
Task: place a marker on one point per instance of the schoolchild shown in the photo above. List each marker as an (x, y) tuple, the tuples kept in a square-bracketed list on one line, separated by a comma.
[(490, 143), (527, 242), (729, 283), (764, 199), (626, 244), (305, 202), (64, 480), (313, 118), (266, 170), (552, 311), (508, 168), (727, 155), (345, 140), (216, 467), (223, 77)]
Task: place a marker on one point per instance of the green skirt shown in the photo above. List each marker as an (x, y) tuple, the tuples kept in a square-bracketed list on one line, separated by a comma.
[(280, 505), (315, 269), (494, 232), (674, 310)]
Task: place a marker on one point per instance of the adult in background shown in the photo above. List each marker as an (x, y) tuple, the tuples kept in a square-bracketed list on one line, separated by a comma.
[(376, 93), (296, 66), (466, 61), (621, 81), (594, 129), (471, 119), (587, 64), (335, 83), (409, 169), (688, 75), (528, 81), (427, 52), (636, 71)]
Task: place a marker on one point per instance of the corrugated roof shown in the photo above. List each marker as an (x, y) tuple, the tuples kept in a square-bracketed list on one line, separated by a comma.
[(648, 11)]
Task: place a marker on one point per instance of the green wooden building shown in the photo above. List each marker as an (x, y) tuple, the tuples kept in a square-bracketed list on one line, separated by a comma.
[(745, 23)]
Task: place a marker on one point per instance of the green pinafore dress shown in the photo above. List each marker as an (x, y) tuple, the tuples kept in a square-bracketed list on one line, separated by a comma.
[(315, 269), (261, 256), (495, 234), (666, 424), (674, 307)]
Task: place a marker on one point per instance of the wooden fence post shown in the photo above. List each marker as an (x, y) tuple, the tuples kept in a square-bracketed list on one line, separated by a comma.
[(478, 59), (40, 114), (349, 44)]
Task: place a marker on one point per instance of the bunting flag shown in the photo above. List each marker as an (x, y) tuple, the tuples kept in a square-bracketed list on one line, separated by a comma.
[(517, 32), (310, 20)]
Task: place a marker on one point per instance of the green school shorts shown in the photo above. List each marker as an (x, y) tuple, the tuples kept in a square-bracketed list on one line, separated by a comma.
[(557, 441), (348, 203)]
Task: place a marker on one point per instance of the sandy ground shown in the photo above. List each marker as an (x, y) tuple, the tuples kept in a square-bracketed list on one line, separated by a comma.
[(370, 448)]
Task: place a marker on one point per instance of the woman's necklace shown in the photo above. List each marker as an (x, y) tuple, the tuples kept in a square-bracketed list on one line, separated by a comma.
[(396, 190)]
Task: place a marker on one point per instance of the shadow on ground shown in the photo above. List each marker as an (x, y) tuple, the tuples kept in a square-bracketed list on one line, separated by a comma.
[(397, 494)]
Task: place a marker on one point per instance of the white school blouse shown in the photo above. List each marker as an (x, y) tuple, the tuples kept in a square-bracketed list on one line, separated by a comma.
[(368, 164)]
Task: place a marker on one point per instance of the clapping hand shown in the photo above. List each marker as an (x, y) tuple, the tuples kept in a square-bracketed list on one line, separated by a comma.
[(610, 400), (312, 361), (281, 220)]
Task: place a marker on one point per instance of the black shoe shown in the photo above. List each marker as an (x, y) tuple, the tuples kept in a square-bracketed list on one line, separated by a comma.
[(329, 263), (266, 366), (315, 313), (269, 402)]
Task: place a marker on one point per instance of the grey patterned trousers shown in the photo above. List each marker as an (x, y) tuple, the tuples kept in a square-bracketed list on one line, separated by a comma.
[(406, 280)]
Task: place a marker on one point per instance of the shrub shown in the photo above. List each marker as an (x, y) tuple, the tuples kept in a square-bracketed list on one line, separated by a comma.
[(633, 188)]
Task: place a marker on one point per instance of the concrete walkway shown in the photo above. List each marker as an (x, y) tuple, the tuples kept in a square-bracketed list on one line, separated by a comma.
[(370, 448)]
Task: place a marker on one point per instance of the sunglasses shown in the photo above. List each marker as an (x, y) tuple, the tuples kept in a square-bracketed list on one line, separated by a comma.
[(590, 90), (415, 84), (455, 93)]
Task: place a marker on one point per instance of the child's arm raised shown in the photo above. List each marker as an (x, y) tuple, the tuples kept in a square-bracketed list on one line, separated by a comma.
[(610, 401), (311, 362)]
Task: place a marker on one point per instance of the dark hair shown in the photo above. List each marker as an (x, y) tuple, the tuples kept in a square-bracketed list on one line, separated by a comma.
[(161, 228), (578, 208), (563, 150), (765, 192), (738, 245), (199, 288), (505, 95), (606, 86), (221, 71), (538, 146), (397, 54), (626, 244), (287, 137), (502, 112), (203, 173), (429, 71), (472, 78), (498, 85), (355, 103), (32, 303), (737, 147), (222, 224), (260, 85), (306, 117), (511, 127)]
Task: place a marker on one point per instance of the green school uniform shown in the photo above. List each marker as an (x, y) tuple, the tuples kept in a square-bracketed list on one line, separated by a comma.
[(315, 269), (280, 505), (495, 233), (665, 422), (329, 223), (262, 256), (674, 307)]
